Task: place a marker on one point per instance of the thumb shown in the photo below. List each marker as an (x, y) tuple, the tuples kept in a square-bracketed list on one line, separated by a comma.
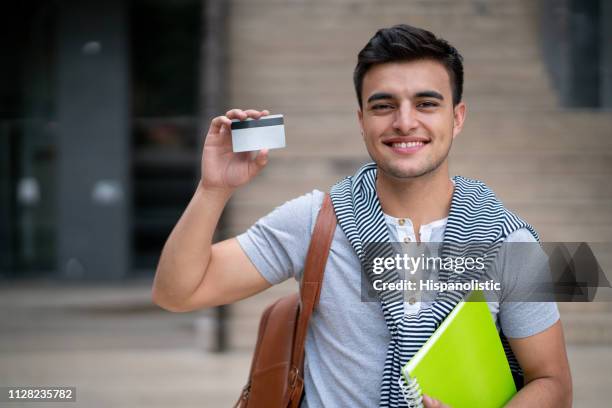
[(430, 402), (259, 162)]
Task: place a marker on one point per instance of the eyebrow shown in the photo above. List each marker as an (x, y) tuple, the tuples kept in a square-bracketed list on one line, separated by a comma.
[(430, 94), (423, 94), (379, 95)]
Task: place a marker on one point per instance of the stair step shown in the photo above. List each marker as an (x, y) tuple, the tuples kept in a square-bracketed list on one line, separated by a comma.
[(587, 328), (529, 163), (580, 328), (362, 9)]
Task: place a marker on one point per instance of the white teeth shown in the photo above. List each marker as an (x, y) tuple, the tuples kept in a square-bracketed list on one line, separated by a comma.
[(409, 144)]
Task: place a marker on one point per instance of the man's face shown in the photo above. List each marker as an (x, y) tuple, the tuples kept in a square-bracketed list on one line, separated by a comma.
[(408, 120)]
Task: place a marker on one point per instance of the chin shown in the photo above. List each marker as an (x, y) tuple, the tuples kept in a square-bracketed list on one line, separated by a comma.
[(402, 169), (400, 172)]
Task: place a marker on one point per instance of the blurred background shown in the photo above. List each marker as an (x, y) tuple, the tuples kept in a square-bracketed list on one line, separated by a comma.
[(103, 108)]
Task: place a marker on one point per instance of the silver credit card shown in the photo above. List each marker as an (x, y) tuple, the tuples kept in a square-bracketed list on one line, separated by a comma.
[(267, 132)]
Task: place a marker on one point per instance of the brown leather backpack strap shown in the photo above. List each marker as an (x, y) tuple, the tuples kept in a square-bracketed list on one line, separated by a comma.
[(312, 280)]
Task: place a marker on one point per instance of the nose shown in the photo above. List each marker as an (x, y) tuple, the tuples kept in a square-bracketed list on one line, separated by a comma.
[(405, 120)]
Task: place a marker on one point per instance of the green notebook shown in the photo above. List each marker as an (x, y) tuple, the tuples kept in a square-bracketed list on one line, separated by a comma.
[(463, 363)]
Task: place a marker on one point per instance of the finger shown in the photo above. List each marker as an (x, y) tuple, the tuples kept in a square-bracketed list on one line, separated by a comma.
[(217, 123), (259, 162), (265, 112), (236, 114), (429, 402), (262, 157), (255, 114)]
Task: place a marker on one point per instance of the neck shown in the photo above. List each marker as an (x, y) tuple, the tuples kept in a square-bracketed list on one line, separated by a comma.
[(421, 199)]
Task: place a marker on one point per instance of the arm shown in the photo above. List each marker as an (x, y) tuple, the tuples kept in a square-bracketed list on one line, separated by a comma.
[(533, 328), (543, 358), (192, 273)]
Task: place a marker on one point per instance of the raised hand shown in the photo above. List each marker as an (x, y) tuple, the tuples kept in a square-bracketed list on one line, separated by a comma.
[(221, 167)]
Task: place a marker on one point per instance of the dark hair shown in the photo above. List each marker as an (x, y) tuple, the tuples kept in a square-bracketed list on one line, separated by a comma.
[(406, 43)]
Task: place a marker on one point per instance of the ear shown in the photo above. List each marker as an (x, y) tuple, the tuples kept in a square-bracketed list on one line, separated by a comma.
[(360, 120), (459, 113)]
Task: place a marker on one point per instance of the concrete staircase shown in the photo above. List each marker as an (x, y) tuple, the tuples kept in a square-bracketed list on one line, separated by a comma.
[(119, 350), (550, 165)]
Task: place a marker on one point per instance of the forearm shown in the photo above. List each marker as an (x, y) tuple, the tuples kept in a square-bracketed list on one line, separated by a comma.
[(543, 392), (187, 252)]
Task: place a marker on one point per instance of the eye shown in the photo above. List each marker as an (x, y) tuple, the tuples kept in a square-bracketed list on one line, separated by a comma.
[(382, 106), (428, 104)]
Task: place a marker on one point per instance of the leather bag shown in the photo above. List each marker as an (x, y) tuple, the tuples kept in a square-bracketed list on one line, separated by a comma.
[(276, 379)]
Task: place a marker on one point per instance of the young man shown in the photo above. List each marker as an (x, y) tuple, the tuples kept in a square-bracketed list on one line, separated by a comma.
[(409, 85)]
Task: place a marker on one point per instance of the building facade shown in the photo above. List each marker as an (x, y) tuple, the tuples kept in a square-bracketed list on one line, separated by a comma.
[(104, 106)]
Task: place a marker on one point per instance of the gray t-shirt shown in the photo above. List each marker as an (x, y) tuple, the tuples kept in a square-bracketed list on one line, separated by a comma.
[(347, 339)]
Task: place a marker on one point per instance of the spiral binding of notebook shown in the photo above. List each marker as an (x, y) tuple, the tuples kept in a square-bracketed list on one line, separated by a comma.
[(411, 390)]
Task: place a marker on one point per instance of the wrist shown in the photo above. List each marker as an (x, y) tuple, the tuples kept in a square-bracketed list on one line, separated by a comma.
[(215, 193)]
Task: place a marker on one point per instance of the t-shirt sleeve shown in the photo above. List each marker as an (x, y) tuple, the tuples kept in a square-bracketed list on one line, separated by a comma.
[(278, 242), (524, 267)]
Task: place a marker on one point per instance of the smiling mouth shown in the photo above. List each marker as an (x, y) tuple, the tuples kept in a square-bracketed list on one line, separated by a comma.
[(406, 147), (407, 144)]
